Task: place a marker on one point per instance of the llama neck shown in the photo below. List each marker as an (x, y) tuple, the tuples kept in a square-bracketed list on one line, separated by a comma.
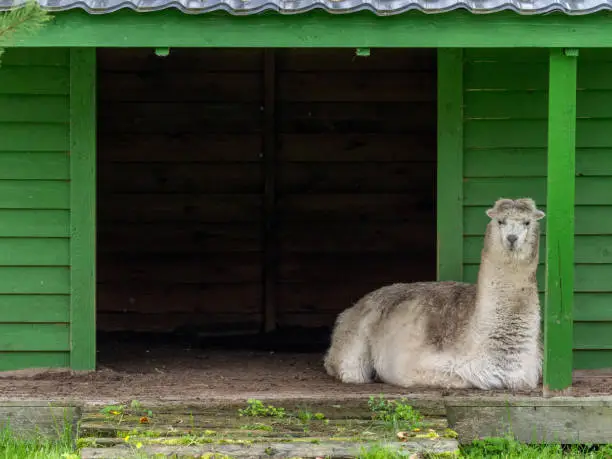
[(505, 287), (506, 277)]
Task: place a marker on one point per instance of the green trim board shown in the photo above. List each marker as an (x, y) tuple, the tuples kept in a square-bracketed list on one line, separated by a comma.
[(561, 186), (83, 208), (457, 29), (450, 165)]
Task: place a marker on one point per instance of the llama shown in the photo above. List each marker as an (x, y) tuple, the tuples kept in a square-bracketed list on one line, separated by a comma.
[(453, 334)]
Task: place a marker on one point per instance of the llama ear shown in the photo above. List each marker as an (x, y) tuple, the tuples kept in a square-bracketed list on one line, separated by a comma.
[(500, 204), (530, 203), (538, 214)]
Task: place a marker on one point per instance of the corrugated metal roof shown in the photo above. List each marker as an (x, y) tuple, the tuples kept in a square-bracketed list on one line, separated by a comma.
[(379, 7)]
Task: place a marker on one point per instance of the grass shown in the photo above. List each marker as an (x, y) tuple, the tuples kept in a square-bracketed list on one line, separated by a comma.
[(38, 447), (12, 448), (503, 448)]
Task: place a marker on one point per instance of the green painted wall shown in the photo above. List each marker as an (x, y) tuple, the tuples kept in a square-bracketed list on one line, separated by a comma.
[(505, 135), (34, 209)]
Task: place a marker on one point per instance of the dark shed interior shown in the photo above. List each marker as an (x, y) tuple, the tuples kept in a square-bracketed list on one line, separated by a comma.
[(241, 189)]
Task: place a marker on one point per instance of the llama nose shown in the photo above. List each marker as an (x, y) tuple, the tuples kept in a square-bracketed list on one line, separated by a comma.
[(512, 238)]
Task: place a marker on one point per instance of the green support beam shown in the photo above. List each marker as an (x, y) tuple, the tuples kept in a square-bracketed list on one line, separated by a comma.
[(450, 165), (83, 208), (558, 311), (454, 29)]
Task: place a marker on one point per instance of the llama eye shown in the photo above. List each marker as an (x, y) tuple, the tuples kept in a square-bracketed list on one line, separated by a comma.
[(527, 223), (501, 222)]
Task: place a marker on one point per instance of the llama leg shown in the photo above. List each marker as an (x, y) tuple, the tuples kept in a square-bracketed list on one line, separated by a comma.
[(348, 358), (434, 379), (355, 366)]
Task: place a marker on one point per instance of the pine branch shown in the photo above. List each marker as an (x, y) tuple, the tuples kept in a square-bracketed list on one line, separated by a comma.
[(20, 21)]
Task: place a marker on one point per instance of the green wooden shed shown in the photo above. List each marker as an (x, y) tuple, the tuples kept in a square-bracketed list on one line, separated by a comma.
[(245, 166)]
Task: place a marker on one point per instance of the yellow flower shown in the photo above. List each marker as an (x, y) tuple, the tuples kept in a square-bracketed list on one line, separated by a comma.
[(138, 445)]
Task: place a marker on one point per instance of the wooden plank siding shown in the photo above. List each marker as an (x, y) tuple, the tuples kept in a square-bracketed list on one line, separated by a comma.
[(505, 141), (34, 209), (179, 190), (181, 183), (356, 181)]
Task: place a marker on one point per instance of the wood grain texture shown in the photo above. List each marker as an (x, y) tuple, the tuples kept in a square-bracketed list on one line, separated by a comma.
[(205, 60), (184, 148), (33, 251), (34, 166), (156, 268), (559, 422), (34, 80), (164, 177), (34, 223), (34, 209), (592, 359), (178, 238), (180, 190), (83, 209), (356, 87), (357, 174), (357, 147), (34, 337), (35, 308), (269, 226), (195, 86), (344, 60), (31, 421), (406, 237), (41, 57), (559, 336), (449, 206), (10, 361), (34, 108), (50, 137), (350, 180), (438, 446), (201, 323), (163, 298), (455, 29)]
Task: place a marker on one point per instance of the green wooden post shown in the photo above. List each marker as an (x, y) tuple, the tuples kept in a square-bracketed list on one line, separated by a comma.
[(450, 165), (83, 208), (558, 315)]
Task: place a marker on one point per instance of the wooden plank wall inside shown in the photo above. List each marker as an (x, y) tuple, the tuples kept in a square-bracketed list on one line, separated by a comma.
[(181, 184), (356, 187)]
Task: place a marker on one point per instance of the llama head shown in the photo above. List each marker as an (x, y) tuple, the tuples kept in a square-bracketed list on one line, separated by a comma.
[(514, 227)]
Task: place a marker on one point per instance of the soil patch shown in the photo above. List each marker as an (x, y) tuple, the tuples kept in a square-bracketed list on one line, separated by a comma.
[(178, 371)]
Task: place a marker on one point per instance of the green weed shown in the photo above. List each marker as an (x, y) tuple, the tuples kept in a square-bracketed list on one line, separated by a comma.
[(395, 412), (257, 426), (257, 408), (305, 416)]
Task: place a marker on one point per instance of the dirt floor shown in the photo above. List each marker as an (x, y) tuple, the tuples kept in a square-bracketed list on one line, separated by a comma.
[(179, 371)]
